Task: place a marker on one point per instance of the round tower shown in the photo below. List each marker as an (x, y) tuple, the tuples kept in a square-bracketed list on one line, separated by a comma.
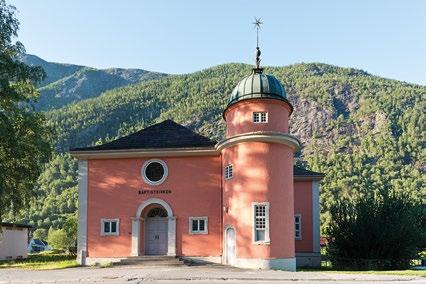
[(257, 159)]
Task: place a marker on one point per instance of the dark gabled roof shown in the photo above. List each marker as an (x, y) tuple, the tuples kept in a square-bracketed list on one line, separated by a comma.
[(301, 172), (166, 134), (6, 224)]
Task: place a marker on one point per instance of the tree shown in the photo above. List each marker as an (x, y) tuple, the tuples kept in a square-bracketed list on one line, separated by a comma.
[(377, 231), (70, 227), (40, 234), (25, 142), (58, 239)]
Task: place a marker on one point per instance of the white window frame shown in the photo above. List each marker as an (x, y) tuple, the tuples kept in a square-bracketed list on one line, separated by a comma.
[(198, 232), (146, 164), (257, 117), (298, 216), (267, 207), (103, 233), (229, 171)]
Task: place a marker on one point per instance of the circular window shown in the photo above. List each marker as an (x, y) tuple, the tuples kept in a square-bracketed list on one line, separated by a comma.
[(154, 172)]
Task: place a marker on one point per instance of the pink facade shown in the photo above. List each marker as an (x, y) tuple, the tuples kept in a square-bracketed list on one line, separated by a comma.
[(303, 206), (113, 192), (166, 190), (239, 117), (259, 178)]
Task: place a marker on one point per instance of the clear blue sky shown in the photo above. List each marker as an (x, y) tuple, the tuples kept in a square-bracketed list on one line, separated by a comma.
[(385, 38)]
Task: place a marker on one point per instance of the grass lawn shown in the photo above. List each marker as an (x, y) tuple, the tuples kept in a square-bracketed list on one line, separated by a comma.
[(407, 272), (42, 261)]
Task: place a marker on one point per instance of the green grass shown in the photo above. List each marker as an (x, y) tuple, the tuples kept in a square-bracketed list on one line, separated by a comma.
[(42, 261)]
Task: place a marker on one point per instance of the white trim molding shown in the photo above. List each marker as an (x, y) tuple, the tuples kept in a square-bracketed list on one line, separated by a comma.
[(132, 153), (267, 240), (261, 136), (171, 227), (198, 232), (117, 228), (154, 201), (316, 216), (163, 178), (258, 136), (82, 212)]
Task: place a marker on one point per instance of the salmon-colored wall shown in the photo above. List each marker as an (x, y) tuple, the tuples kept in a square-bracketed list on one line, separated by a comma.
[(239, 117), (303, 206), (263, 172), (113, 186)]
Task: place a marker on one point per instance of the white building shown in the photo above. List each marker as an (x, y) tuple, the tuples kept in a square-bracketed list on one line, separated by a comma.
[(13, 241)]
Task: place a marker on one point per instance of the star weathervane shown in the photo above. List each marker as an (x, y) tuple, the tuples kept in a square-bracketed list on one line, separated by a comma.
[(257, 22)]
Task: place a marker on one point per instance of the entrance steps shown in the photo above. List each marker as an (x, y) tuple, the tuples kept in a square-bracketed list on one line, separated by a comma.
[(155, 260)]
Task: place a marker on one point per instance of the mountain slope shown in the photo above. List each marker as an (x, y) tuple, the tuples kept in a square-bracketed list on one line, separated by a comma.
[(364, 132), (54, 71), (67, 83)]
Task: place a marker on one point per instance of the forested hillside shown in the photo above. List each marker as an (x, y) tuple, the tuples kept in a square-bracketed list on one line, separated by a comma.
[(67, 83), (364, 132)]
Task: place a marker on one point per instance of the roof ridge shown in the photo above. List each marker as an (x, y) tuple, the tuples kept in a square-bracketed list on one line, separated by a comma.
[(165, 134)]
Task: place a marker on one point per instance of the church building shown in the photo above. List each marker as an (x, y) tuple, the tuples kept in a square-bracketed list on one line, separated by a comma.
[(166, 190)]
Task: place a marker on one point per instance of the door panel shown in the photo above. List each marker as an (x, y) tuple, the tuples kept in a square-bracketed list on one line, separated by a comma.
[(156, 236), (230, 246)]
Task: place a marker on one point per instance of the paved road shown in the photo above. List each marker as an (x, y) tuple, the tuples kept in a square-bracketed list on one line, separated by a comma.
[(193, 274)]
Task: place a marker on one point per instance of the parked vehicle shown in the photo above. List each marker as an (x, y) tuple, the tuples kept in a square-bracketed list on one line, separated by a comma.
[(37, 245)]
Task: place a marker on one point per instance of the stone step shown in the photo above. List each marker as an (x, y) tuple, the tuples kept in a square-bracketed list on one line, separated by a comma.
[(152, 261)]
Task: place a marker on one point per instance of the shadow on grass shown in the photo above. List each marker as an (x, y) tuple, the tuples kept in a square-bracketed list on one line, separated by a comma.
[(43, 260)]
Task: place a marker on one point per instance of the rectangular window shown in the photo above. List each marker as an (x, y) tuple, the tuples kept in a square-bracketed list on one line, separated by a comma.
[(198, 225), (261, 222), (298, 227), (229, 172), (260, 117), (110, 227)]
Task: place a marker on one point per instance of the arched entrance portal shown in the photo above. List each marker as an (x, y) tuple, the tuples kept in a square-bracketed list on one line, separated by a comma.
[(159, 228), (155, 231)]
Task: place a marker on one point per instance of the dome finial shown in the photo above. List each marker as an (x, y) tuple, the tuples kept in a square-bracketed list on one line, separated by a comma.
[(257, 22)]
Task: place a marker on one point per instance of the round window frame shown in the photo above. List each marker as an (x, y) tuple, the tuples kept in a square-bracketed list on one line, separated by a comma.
[(146, 164)]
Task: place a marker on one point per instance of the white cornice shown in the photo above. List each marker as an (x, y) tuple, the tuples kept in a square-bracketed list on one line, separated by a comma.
[(272, 137), (263, 136), (135, 153)]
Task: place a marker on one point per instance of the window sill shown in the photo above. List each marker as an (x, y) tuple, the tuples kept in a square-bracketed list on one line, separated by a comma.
[(109, 235), (262, 243), (199, 233)]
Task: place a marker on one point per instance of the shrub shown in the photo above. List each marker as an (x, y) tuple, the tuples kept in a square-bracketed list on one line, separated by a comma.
[(40, 234), (379, 231), (58, 239)]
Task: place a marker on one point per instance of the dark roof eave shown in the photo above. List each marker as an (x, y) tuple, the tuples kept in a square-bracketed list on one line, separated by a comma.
[(90, 149), (308, 177)]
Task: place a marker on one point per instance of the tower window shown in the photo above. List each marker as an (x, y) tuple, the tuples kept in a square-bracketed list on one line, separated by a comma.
[(261, 222), (229, 172), (298, 227), (260, 117)]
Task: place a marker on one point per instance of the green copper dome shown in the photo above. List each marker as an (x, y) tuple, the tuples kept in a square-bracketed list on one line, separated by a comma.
[(258, 85)]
